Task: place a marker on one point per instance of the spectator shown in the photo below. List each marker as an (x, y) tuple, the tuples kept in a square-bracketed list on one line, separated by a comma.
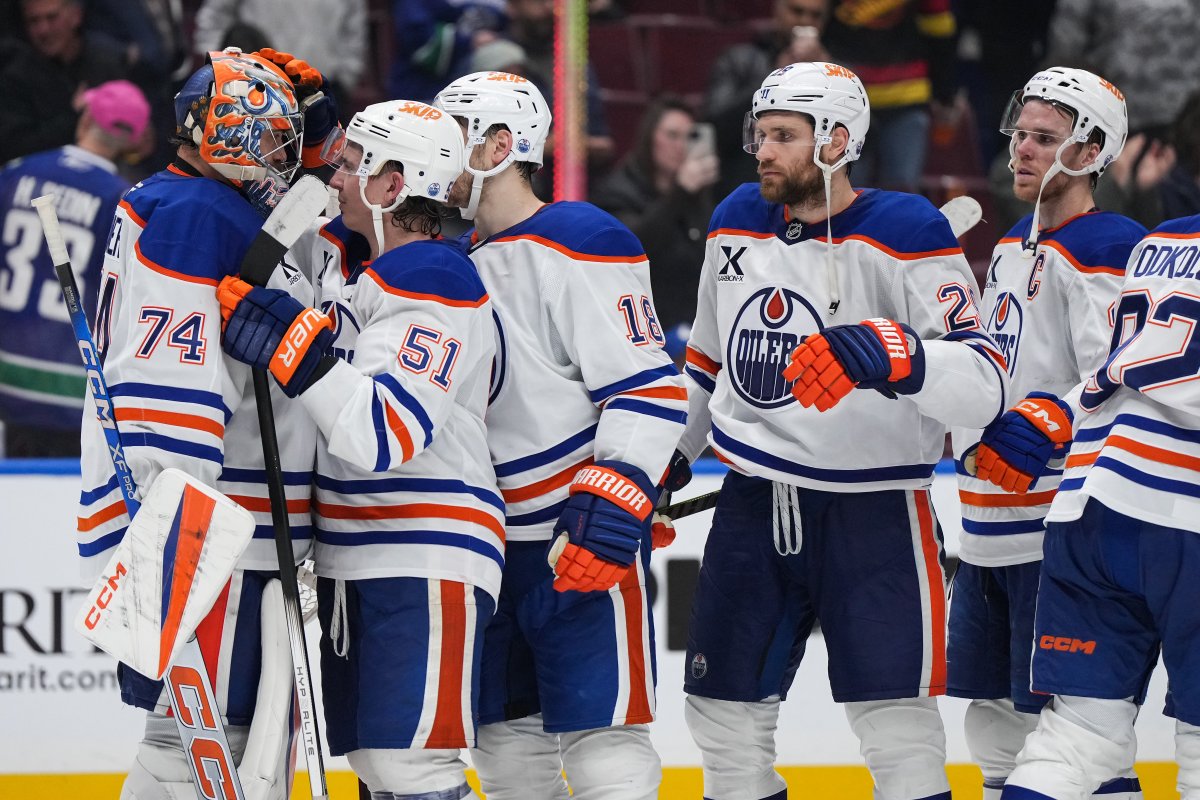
[(39, 83), (1181, 189), (663, 192), (332, 33), (1147, 47), (746, 65), (1132, 183), (904, 53), (434, 41), (41, 380)]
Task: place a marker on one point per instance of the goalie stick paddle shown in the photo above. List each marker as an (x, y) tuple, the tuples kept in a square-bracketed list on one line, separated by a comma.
[(963, 213), (187, 676), (293, 215)]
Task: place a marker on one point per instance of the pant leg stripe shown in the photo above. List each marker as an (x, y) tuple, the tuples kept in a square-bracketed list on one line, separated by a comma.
[(448, 731), (641, 695), (621, 635), (432, 666)]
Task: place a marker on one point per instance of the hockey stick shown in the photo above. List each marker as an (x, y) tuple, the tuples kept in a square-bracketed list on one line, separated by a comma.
[(291, 218), (963, 213), (201, 730)]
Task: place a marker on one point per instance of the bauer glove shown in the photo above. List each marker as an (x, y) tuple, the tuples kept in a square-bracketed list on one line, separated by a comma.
[(599, 534), (1015, 449), (269, 329), (315, 99), (875, 354)]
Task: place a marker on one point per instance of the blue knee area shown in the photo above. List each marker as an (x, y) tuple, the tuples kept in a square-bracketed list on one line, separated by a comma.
[(1021, 793), (1119, 786)]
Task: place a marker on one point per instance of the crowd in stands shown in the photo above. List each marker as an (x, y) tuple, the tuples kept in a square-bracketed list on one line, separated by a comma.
[(667, 88)]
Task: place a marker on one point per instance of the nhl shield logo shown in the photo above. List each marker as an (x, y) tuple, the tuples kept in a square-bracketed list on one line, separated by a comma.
[(699, 666), (768, 326), (793, 231)]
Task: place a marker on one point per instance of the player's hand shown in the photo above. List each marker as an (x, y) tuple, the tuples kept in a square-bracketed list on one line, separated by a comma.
[(1015, 449), (874, 354), (314, 97), (662, 530), (269, 329), (599, 534)]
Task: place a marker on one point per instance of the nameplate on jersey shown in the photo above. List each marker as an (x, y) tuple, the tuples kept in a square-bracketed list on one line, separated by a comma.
[(768, 326)]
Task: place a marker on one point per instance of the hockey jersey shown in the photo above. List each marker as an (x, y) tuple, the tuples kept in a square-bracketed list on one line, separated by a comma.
[(405, 485), (580, 374), (1049, 314), (177, 399), (1137, 418), (766, 285), (41, 379)]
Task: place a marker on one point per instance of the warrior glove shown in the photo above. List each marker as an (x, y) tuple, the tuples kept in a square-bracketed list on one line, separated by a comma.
[(876, 354)]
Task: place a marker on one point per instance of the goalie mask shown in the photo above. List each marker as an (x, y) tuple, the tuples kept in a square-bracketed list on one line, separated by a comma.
[(831, 96), (425, 141), (241, 113), (1092, 104), (483, 99)]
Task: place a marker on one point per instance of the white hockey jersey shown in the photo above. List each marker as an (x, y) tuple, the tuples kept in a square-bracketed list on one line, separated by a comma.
[(580, 373), (404, 486), (1137, 419), (1049, 314), (765, 286), (178, 400)]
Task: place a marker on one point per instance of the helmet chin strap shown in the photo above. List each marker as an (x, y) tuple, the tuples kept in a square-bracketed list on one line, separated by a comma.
[(378, 211), (477, 177), (827, 170), (1029, 246)]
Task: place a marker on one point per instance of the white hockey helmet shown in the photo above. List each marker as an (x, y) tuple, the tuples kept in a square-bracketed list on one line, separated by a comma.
[(1093, 103), (425, 141), (484, 99), (828, 93)]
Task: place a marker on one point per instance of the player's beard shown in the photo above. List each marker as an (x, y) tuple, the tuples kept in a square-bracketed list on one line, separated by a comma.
[(802, 186)]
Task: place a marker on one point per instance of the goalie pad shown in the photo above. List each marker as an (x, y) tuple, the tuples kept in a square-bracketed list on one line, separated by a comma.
[(268, 764), (166, 573)]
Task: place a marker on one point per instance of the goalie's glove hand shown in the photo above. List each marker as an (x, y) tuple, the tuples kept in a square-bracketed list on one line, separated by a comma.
[(1015, 449), (876, 354), (314, 97), (599, 534), (269, 329)]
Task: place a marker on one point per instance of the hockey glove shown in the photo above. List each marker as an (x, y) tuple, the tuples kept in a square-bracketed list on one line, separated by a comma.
[(315, 98), (599, 533), (1015, 449), (269, 329), (875, 354), (678, 475)]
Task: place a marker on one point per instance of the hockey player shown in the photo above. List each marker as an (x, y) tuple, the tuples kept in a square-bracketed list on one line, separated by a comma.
[(1046, 304), (809, 289), (41, 382), (1122, 551), (177, 400), (410, 525), (585, 411)]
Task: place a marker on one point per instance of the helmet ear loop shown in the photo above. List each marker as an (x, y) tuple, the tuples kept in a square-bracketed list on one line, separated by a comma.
[(478, 176), (377, 211)]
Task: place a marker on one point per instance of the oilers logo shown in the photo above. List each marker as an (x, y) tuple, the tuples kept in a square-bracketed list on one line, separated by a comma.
[(522, 145), (766, 329), (345, 329), (434, 188), (499, 361), (1008, 317)]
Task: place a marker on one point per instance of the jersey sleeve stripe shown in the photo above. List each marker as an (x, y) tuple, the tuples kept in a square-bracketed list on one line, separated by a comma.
[(409, 402), (632, 258), (92, 495), (706, 383), (170, 273), (1141, 423), (300, 505), (155, 392), (658, 393), (739, 232), (412, 511), (547, 514), (1142, 450), (105, 542), (649, 409), (1074, 262), (1135, 475), (547, 456), (556, 481), (980, 342), (982, 500), (377, 486), (642, 378), (109, 512), (857, 237), (172, 445), (401, 432), (412, 537), (701, 361), (422, 296), (133, 215), (190, 421), (383, 449), (239, 475)]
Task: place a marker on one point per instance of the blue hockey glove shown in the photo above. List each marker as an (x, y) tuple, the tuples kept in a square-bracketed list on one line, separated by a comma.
[(875, 354), (269, 329), (1015, 449), (599, 533), (679, 475)]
